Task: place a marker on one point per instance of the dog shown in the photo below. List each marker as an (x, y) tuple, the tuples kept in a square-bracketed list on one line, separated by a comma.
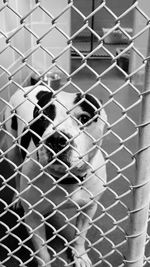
[(53, 141)]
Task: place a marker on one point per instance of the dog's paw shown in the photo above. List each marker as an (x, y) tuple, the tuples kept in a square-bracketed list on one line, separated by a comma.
[(82, 261)]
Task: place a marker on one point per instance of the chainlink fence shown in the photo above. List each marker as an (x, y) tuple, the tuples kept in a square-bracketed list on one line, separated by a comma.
[(56, 43)]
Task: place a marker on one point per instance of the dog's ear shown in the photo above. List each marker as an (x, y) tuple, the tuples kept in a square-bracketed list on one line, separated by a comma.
[(42, 93), (98, 103), (88, 103), (43, 97)]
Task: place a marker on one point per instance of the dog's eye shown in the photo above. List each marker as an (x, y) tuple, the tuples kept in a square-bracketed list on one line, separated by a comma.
[(84, 118)]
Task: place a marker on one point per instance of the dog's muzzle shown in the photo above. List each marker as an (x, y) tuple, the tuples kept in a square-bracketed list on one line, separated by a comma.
[(59, 146), (58, 141), (58, 150)]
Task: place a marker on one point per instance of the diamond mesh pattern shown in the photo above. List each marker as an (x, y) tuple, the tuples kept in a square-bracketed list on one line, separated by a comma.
[(26, 46)]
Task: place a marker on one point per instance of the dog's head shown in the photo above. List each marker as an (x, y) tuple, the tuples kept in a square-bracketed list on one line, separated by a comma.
[(67, 129)]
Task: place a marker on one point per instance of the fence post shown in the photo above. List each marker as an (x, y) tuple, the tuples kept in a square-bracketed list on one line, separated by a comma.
[(141, 189)]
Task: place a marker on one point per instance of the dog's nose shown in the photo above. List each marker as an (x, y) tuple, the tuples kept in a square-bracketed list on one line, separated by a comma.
[(57, 141)]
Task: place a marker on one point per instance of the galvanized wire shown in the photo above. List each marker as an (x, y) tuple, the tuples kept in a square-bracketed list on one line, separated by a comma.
[(120, 185)]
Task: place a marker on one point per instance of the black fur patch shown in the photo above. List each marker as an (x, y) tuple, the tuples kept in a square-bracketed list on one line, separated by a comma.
[(25, 141), (41, 94), (42, 123), (14, 123), (85, 105)]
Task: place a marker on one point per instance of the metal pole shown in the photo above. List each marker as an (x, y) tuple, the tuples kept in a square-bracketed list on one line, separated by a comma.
[(141, 189), (92, 26)]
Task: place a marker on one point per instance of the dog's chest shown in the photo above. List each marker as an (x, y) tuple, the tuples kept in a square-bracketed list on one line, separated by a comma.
[(45, 195)]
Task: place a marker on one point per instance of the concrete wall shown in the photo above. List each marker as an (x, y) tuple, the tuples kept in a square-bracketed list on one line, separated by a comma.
[(54, 41), (24, 42), (12, 49), (102, 18)]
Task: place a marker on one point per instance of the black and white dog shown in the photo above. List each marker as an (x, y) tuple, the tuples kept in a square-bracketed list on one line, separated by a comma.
[(53, 141)]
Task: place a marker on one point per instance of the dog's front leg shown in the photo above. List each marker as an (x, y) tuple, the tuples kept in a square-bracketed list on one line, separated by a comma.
[(82, 224), (37, 230)]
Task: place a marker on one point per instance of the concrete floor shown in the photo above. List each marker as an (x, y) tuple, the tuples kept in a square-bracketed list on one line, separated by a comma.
[(107, 235)]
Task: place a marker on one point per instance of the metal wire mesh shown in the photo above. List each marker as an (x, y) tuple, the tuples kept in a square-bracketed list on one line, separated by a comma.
[(108, 237)]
